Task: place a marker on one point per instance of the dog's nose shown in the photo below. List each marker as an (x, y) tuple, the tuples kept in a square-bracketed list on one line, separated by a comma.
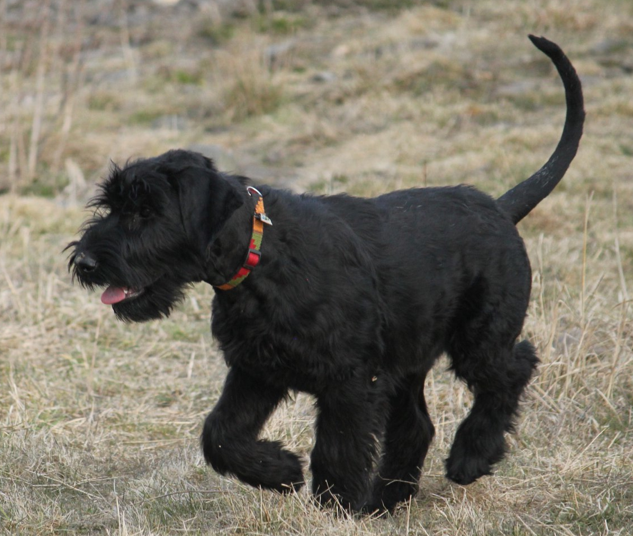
[(86, 263)]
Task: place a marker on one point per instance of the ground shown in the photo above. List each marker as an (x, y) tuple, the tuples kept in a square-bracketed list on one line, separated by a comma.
[(99, 420)]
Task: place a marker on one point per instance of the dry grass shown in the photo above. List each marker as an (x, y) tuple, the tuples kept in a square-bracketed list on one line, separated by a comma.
[(99, 421)]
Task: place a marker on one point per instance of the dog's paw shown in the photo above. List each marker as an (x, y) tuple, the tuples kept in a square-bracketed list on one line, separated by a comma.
[(387, 495), (465, 471), (335, 497), (473, 455), (263, 464), (277, 469), (290, 472), (376, 510)]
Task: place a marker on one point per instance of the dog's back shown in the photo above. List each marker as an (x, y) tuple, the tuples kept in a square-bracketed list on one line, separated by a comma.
[(438, 253)]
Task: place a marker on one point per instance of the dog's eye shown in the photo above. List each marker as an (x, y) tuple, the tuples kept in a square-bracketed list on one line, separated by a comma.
[(145, 212)]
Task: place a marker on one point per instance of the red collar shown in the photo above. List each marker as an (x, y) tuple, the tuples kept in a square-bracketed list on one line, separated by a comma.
[(254, 251)]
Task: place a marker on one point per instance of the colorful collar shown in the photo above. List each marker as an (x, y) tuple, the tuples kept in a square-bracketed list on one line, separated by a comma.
[(254, 251)]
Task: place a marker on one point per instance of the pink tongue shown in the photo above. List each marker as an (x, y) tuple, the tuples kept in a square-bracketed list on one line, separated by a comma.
[(112, 295)]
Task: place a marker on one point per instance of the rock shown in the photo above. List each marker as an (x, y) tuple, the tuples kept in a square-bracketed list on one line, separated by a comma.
[(324, 77), (609, 46), (520, 87), (224, 8), (274, 54)]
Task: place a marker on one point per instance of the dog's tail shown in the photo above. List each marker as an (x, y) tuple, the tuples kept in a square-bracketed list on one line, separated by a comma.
[(521, 199)]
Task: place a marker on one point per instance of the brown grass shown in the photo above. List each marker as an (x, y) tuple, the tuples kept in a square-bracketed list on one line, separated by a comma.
[(99, 421)]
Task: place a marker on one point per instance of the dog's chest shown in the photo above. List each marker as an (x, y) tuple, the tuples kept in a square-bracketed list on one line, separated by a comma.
[(291, 352), (282, 358)]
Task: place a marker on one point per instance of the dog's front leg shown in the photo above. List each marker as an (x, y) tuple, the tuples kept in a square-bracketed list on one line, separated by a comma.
[(230, 437), (345, 448)]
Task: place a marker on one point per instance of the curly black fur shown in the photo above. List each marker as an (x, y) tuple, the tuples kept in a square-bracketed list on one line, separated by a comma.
[(353, 301)]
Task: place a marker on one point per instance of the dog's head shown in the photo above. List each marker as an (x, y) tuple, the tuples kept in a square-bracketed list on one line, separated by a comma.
[(152, 226)]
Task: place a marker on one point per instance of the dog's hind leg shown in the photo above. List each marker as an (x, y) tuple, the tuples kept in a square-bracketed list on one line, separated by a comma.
[(497, 376), (408, 434), (229, 438), (348, 423)]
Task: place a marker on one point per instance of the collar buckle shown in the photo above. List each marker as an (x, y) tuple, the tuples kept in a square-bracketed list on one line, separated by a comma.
[(263, 218)]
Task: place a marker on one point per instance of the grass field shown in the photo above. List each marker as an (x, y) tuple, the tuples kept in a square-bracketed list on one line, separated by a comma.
[(99, 420)]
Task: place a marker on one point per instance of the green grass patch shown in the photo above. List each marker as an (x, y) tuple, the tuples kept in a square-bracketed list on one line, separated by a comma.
[(104, 101), (280, 23), (251, 95), (144, 117), (217, 34), (46, 185)]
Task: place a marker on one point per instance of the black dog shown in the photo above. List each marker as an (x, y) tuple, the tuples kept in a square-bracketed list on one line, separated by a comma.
[(349, 299)]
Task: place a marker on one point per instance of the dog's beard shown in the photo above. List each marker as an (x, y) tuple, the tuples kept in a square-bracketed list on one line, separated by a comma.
[(135, 301), (150, 303), (140, 303)]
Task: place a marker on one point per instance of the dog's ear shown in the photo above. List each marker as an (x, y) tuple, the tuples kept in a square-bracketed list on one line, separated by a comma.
[(206, 199)]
